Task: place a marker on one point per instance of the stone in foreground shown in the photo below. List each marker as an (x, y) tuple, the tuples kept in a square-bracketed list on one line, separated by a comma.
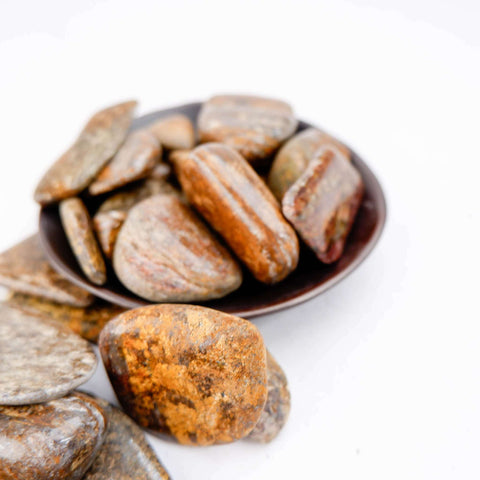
[(57, 440), (192, 372), (174, 133), (40, 359)]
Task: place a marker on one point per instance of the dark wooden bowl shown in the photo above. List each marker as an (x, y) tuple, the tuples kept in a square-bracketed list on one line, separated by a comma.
[(253, 298)]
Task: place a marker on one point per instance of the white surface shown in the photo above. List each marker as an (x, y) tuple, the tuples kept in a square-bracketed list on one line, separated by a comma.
[(384, 369)]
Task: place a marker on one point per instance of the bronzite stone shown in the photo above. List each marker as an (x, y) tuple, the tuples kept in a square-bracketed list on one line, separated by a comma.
[(175, 132), (57, 440), (192, 372), (24, 268), (107, 225)]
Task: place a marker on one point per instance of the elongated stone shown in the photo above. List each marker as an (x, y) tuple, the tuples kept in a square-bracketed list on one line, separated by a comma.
[(254, 126), (24, 268), (81, 163), (78, 228), (323, 202), (293, 158), (57, 440), (107, 226), (233, 199), (192, 372), (164, 253), (175, 132), (136, 158), (40, 359), (85, 321)]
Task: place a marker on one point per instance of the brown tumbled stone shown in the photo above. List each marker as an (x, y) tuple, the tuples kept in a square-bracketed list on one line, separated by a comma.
[(78, 228), (277, 408), (57, 440), (24, 268), (80, 164), (294, 157), (40, 359), (165, 253), (233, 199), (323, 202), (174, 133), (254, 126), (192, 372), (106, 226), (125, 453), (85, 321), (136, 158)]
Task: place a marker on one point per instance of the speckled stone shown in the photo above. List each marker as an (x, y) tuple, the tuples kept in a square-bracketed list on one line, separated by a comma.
[(40, 359), (125, 453), (80, 164), (85, 321), (254, 126), (277, 408), (79, 230), (293, 158), (164, 253), (233, 199), (175, 132), (136, 158), (192, 372), (323, 202), (57, 440), (24, 268), (107, 226)]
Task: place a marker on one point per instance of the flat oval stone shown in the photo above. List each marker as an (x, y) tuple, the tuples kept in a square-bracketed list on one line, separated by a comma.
[(175, 132), (78, 227), (107, 226), (57, 440), (40, 359), (277, 408), (254, 126), (233, 199), (192, 372), (323, 202), (125, 453), (24, 268), (80, 164), (164, 253), (136, 158), (293, 158)]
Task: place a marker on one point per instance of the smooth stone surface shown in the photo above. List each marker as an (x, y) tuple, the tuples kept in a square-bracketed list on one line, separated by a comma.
[(57, 440), (175, 132), (293, 158), (84, 321), (192, 372), (125, 453), (277, 408), (78, 228), (164, 253), (107, 226), (323, 202), (40, 359), (80, 164), (234, 200), (24, 268), (136, 158), (254, 126)]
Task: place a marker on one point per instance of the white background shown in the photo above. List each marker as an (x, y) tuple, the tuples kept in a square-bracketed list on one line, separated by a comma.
[(384, 369)]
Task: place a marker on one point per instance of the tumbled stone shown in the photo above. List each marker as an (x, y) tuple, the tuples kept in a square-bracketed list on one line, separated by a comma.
[(254, 126), (175, 132), (233, 199), (85, 321), (24, 268), (189, 371), (57, 440), (40, 359), (125, 453), (80, 164), (277, 408), (136, 158), (323, 202), (106, 226), (164, 253), (78, 228), (293, 158)]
